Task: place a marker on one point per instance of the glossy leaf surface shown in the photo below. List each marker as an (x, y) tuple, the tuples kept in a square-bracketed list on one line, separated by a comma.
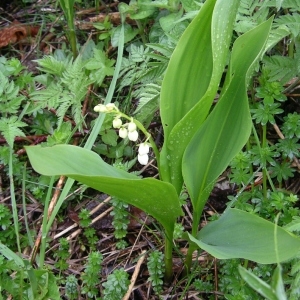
[(190, 86), (227, 128)]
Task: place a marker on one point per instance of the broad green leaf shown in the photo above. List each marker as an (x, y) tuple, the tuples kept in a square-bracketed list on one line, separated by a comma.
[(257, 284), (238, 234), (189, 88), (155, 197), (228, 127)]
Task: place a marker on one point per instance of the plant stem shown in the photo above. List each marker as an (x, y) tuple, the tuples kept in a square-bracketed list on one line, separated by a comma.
[(264, 170), (44, 224), (13, 198), (168, 256)]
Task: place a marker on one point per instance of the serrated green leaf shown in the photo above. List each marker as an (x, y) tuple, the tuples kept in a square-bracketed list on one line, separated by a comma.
[(10, 129)]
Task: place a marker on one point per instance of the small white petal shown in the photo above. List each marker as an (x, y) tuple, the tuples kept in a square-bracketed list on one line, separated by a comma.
[(144, 149), (100, 108), (133, 135), (131, 126), (143, 159), (117, 123), (123, 133)]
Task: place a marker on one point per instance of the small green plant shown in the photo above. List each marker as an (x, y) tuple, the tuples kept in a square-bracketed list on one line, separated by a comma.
[(91, 276), (88, 231), (62, 254), (116, 285), (156, 270), (7, 233), (120, 221), (71, 287)]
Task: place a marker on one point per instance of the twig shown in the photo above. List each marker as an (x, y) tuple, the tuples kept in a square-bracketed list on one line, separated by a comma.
[(135, 275)]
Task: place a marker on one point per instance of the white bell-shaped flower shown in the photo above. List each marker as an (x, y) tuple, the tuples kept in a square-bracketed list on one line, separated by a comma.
[(131, 126), (123, 133), (143, 149), (133, 135), (143, 159)]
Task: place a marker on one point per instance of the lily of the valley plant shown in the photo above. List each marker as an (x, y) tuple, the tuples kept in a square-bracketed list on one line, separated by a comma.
[(198, 144)]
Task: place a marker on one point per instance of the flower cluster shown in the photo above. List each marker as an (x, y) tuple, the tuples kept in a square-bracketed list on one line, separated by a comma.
[(126, 130)]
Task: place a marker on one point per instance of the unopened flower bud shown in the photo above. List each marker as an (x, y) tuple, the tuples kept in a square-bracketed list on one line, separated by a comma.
[(123, 133), (110, 107), (117, 123), (131, 126), (100, 108)]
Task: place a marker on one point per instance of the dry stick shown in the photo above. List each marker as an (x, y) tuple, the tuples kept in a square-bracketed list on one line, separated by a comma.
[(278, 131), (50, 210), (135, 275)]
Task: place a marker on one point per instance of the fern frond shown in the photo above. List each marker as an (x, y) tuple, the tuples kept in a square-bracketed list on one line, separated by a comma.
[(49, 97), (148, 102), (291, 21), (10, 128), (247, 7), (295, 268), (295, 283), (292, 5), (163, 49), (49, 64), (276, 35), (294, 225), (153, 73), (281, 68), (146, 94), (10, 100), (63, 107)]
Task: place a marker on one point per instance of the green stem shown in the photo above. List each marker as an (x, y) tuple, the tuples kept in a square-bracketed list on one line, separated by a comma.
[(29, 237), (141, 30), (168, 256), (13, 197), (192, 247), (44, 224), (72, 40), (264, 170)]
